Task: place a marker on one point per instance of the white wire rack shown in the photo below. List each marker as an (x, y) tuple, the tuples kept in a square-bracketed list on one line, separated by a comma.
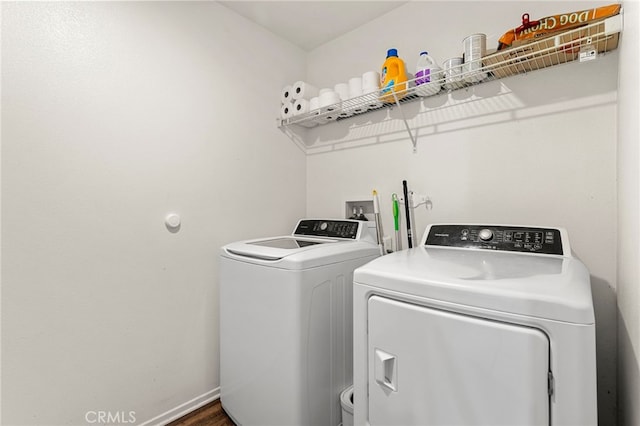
[(583, 43)]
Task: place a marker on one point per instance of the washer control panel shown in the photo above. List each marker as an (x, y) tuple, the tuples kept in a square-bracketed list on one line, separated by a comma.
[(328, 228), (497, 237)]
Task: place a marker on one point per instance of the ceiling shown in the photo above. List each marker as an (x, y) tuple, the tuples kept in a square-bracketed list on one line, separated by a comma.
[(309, 24)]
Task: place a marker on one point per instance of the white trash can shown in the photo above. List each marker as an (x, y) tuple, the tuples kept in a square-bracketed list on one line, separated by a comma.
[(346, 401)]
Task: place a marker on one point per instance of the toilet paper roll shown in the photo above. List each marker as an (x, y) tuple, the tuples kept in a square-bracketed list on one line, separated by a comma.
[(302, 90), (320, 120), (329, 101), (355, 90), (314, 104), (286, 95), (342, 89), (327, 118), (300, 106), (360, 109), (286, 111), (369, 89), (372, 93), (314, 108), (308, 124), (345, 113), (324, 90), (371, 79), (355, 87)]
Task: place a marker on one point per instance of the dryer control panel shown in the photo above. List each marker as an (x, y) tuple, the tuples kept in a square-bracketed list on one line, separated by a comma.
[(496, 237)]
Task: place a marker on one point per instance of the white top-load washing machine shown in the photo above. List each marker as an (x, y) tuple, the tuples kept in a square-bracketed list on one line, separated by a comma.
[(479, 325), (286, 322)]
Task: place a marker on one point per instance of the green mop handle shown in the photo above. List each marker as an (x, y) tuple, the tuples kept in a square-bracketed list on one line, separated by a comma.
[(396, 212)]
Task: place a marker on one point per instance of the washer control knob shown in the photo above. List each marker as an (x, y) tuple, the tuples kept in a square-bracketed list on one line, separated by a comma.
[(485, 234), (323, 226)]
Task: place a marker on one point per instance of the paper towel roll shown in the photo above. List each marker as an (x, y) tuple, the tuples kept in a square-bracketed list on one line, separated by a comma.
[(287, 110), (302, 90), (342, 89), (286, 94), (300, 106), (371, 79)]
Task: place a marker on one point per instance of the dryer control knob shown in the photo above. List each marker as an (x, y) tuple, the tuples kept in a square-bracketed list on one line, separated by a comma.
[(485, 234)]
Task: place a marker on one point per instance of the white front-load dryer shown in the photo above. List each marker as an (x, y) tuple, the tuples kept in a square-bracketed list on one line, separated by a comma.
[(286, 322), (479, 325)]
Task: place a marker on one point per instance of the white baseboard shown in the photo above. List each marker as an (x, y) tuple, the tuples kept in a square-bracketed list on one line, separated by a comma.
[(183, 409)]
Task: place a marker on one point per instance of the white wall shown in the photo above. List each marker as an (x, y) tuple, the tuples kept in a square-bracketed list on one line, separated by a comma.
[(114, 114), (628, 286), (533, 149)]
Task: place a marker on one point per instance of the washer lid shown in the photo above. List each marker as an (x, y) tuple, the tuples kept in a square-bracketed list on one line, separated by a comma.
[(288, 243), (293, 252), (275, 248), (551, 287), (314, 242)]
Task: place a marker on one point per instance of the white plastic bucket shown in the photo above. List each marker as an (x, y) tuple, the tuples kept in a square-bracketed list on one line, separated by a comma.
[(346, 401)]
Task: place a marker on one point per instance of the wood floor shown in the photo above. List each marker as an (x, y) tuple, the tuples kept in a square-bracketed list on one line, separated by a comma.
[(211, 414)]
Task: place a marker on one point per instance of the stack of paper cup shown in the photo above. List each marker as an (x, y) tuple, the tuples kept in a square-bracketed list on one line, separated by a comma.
[(475, 48), (371, 86), (452, 69)]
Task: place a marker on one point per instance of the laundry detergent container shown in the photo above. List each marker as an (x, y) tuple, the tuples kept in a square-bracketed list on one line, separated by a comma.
[(346, 401)]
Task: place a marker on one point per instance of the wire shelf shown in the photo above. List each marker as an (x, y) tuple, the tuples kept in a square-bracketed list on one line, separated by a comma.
[(583, 43)]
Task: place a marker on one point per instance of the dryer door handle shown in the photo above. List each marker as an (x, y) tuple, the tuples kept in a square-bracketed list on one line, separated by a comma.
[(386, 370)]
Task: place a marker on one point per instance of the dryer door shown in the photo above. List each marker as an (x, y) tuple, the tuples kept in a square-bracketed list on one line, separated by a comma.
[(434, 367)]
